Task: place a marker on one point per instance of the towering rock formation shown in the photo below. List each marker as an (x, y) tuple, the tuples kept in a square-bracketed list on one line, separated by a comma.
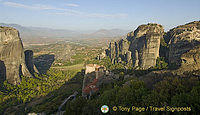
[(12, 58), (140, 48), (119, 50), (2, 72), (29, 62), (128, 57), (112, 51), (146, 44), (182, 39)]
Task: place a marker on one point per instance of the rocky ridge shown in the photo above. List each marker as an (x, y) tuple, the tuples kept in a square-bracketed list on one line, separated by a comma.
[(141, 48)]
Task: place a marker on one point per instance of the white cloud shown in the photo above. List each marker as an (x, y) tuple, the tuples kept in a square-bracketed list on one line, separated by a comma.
[(64, 11), (72, 5), (12, 4), (44, 7), (35, 7)]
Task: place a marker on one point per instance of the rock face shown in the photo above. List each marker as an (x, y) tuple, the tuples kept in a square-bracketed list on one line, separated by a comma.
[(2, 71), (140, 48), (146, 44), (190, 60), (101, 55), (12, 58), (119, 51), (182, 39), (29, 62)]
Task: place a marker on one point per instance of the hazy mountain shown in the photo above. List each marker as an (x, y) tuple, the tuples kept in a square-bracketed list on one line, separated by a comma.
[(46, 35), (109, 33), (35, 32)]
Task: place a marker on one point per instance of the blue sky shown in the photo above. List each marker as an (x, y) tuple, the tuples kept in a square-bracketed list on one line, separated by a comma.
[(98, 14)]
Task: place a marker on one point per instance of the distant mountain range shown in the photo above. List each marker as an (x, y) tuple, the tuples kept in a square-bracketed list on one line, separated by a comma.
[(38, 33), (35, 32), (108, 33)]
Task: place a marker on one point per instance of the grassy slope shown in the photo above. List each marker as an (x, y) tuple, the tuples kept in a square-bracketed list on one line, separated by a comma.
[(73, 67)]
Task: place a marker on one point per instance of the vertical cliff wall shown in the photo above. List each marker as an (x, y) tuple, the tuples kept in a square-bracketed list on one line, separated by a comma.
[(12, 56), (29, 62), (140, 48), (182, 39), (146, 44)]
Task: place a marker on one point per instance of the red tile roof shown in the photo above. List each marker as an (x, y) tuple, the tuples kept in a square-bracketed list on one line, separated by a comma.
[(91, 87)]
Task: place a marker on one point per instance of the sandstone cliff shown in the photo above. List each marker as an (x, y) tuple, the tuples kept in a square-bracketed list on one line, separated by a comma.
[(12, 56), (146, 44), (180, 47), (119, 50), (190, 60), (140, 48), (181, 40)]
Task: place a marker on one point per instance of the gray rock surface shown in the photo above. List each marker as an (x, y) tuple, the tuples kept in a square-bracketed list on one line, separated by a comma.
[(182, 39), (29, 62), (119, 51), (190, 61), (12, 55), (146, 44), (140, 48)]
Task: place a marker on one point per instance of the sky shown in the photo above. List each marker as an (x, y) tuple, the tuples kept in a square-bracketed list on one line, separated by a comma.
[(99, 14)]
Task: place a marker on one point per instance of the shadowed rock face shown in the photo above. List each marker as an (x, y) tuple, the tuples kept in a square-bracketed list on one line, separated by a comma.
[(29, 62), (190, 60), (12, 55), (182, 39), (2, 71)]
